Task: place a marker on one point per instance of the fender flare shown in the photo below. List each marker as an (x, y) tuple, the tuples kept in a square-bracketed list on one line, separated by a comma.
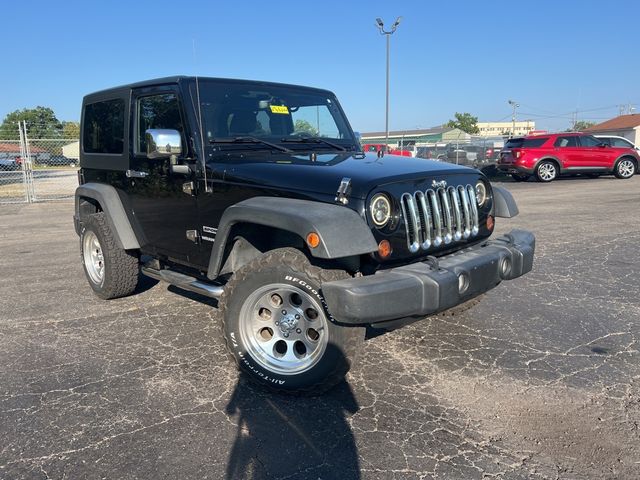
[(505, 205), (109, 200), (624, 155), (549, 157), (342, 232)]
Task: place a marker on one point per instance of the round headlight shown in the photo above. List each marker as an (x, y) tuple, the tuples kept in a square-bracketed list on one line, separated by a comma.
[(380, 210), (481, 193)]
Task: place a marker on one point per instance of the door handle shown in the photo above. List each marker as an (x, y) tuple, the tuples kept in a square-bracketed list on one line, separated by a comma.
[(136, 174)]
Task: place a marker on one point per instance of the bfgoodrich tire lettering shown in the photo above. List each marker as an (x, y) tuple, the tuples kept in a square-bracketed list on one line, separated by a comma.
[(277, 326), (111, 271)]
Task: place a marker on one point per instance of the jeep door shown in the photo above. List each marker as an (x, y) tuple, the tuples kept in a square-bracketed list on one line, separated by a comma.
[(163, 201)]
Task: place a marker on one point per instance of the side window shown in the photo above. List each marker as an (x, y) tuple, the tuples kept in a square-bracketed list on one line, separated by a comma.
[(157, 111), (566, 142), (620, 143), (589, 141), (104, 127)]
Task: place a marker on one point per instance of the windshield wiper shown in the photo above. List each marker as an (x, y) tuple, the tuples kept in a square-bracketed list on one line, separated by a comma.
[(314, 140), (251, 140)]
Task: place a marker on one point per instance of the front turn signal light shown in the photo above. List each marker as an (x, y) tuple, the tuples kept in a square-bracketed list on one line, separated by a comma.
[(384, 249), (313, 239), (490, 222)]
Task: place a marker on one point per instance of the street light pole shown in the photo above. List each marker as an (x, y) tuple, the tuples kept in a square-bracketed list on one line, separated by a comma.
[(388, 34), (513, 117)]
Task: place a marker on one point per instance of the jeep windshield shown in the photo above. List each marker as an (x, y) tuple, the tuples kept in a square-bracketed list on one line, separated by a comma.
[(295, 118)]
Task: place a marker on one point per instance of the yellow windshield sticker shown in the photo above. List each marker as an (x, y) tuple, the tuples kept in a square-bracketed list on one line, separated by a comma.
[(279, 109)]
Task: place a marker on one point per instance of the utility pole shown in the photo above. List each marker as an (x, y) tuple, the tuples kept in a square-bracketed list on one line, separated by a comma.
[(575, 120), (388, 34), (513, 117)]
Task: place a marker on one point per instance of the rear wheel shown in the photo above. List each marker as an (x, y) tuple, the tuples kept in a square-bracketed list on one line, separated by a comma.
[(277, 326), (625, 168), (546, 171), (111, 271)]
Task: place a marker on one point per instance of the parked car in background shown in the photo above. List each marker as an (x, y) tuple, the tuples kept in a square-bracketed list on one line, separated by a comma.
[(428, 152), (615, 141), (10, 163), (549, 156), (61, 161), (377, 147)]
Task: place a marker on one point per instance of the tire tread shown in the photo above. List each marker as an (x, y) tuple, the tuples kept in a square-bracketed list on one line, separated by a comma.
[(121, 278), (296, 261)]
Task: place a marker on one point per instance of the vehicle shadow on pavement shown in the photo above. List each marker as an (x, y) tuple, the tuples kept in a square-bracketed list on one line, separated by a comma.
[(282, 436)]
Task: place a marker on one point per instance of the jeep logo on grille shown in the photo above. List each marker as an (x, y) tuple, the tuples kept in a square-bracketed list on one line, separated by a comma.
[(440, 184)]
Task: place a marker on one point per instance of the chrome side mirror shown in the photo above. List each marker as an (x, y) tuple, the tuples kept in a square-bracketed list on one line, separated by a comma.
[(162, 143)]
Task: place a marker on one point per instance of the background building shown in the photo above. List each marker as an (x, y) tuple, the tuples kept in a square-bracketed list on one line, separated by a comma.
[(492, 129), (398, 138), (627, 126)]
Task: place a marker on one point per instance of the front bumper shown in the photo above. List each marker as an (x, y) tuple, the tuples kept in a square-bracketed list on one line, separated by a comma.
[(425, 288)]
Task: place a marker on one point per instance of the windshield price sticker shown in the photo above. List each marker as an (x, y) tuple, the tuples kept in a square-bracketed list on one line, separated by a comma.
[(279, 109)]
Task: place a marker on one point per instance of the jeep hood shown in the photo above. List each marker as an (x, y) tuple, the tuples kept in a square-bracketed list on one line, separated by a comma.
[(298, 172)]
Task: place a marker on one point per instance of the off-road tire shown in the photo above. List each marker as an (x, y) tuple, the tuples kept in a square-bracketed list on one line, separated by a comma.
[(544, 167), (618, 169), (121, 270), (290, 267)]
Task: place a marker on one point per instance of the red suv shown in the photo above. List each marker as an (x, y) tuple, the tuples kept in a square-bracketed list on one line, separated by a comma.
[(552, 155)]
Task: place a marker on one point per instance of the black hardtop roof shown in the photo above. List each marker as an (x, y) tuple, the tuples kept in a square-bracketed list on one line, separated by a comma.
[(184, 78)]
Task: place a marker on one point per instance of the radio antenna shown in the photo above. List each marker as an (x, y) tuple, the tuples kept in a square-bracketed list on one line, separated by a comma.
[(207, 189)]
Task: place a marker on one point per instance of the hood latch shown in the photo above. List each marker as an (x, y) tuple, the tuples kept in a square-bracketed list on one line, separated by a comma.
[(344, 190)]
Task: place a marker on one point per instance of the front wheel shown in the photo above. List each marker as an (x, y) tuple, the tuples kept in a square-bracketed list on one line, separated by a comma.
[(625, 168), (547, 171), (278, 328)]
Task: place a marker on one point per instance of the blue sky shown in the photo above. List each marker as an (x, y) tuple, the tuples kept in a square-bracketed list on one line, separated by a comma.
[(551, 57)]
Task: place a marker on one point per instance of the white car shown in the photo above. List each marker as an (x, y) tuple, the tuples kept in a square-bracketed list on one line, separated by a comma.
[(615, 141)]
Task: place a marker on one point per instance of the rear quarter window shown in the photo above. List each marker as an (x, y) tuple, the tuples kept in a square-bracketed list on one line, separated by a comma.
[(103, 130), (526, 142)]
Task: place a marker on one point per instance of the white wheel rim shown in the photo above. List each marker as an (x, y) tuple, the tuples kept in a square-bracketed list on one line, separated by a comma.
[(93, 258), (283, 328), (547, 171), (626, 168)]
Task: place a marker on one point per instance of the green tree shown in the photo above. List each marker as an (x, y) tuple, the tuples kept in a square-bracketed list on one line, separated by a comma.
[(41, 123), (304, 126), (465, 122), (71, 130), (582, 125)]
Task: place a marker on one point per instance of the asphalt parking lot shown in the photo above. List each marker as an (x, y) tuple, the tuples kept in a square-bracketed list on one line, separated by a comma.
[(541, 380)]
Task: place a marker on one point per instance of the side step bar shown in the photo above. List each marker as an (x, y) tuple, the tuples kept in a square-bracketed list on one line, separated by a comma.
[(184, 282)]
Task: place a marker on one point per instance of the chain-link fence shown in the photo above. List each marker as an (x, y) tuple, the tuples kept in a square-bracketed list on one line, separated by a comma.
[(38, 170)]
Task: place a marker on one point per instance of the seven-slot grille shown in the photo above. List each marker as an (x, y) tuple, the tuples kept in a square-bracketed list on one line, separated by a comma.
[(440, 216)]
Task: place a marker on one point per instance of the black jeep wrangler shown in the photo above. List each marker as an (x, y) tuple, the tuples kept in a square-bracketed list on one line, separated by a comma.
[(258, 194)]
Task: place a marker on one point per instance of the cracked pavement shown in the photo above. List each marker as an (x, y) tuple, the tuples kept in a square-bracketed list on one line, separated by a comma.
[(540, 380)]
